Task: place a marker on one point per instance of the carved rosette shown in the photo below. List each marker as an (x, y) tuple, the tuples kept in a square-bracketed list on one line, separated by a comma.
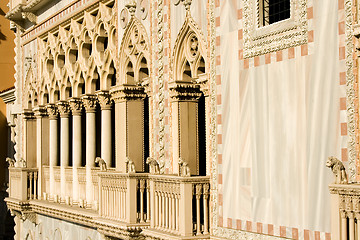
[(184, 91), (127, 93), (89, 102), (39, 112), (52, 111), (75, 106), (104, 99), (63, 108)]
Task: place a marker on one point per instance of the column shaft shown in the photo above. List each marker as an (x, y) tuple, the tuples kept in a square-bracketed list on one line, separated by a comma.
[(53, 148)]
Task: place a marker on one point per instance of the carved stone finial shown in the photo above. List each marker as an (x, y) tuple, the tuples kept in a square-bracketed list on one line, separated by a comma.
[(338, 169), (184, 169), (187, 4), (89, 102), (75, 106), (130, 166), (154, 165), (101, 163), (10, 161)]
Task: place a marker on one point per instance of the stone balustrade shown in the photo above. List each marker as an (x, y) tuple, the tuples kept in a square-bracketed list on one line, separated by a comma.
[(345, 207), (23, 183), (179, 205), (124, 196)]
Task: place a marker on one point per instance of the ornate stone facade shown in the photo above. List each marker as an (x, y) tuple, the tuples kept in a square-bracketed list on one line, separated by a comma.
[(119, 126)]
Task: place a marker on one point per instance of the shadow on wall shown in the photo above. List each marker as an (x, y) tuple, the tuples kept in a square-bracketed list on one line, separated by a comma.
[(6, 221), (2, 36)]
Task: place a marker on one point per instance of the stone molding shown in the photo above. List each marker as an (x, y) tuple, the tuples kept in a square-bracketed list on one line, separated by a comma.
[(184, 91), (126, 92)]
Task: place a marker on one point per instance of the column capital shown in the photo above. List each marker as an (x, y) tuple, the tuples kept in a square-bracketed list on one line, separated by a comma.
[(28, 114), (184, 91), (52, 111), (39, 111), (126, 92), (75, 106), (104, 99), (89, 102), (63, 108)]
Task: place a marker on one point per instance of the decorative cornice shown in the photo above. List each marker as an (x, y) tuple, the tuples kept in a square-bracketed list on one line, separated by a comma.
[(63, 108), (89, 102), (184, 91), (104, 99), (52, 111), (8, 96), (127, 93)]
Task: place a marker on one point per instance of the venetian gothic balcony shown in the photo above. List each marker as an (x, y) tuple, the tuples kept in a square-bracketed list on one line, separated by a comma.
[(124, 205)]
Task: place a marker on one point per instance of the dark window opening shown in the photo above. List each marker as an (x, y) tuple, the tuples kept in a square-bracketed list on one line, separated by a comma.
[(83, 138), (58, 141), (98, 130), (70, 140), (274, 11), (146, 133), (113, 136), (202, 136)]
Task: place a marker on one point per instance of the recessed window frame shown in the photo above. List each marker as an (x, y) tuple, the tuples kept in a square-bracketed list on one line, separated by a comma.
[(290, 32)]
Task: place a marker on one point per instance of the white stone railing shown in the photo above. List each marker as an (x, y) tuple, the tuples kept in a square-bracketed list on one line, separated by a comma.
[(23, 183), (124, 196), (180, 205), (345, 211)]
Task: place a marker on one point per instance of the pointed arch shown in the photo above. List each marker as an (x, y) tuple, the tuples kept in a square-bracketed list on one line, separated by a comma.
[(189, 52), (134, 46)]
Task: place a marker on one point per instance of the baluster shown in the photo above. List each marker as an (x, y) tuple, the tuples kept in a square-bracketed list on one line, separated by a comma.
[(177, 211), (147, 200), (343, 226), (173, 211), (163, 209), (35, 185), (124, 201), (156, 209), (198, 195), (206, 211), (118, 199), (30, 182), (166, 210), (142, 188), (351, 225)]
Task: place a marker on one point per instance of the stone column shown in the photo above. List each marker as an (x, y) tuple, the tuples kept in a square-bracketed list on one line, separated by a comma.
[(76, 107), (184, 104), (89, 102), (29, 157), (53, 145), (129, 125), (42, 147), (105, 104), (63, 108)]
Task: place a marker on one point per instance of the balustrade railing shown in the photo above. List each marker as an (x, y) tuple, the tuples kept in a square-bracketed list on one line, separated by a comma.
[(180, 204), (23, 183), (345, 215), (124, 197)]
